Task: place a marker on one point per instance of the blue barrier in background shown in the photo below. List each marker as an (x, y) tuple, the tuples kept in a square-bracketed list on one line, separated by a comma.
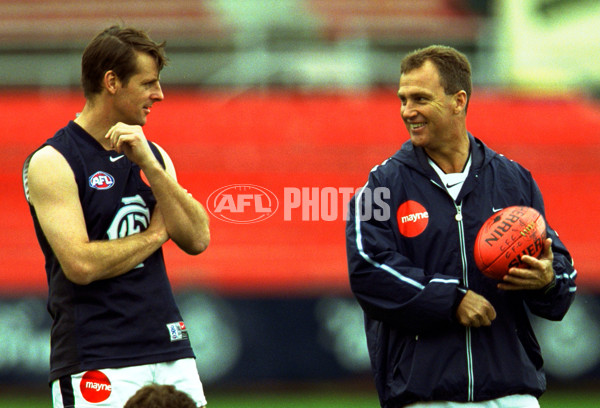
[(243, 340)]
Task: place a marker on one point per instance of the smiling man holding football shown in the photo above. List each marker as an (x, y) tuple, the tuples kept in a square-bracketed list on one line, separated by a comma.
[(440, 333), (104, 200)]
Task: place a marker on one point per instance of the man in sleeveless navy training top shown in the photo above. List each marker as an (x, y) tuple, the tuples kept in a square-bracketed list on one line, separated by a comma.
[(104, 200)]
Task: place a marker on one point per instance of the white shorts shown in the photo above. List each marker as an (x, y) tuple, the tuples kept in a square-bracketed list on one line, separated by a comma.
[(510, 401), (112, 387)]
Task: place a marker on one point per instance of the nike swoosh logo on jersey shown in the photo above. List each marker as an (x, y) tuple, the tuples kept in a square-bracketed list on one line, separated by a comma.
[(496, 209), (114, 159), (452, 185)]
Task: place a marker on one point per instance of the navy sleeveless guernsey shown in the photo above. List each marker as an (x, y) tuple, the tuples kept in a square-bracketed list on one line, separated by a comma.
[(128, 320)]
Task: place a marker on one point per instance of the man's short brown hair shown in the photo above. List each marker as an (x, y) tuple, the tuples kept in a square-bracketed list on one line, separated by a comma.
[(115, 49), (452, 65), (160, 396)]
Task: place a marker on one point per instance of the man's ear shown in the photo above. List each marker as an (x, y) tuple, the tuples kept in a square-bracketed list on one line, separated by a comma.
[(111, 82), (460, 101)]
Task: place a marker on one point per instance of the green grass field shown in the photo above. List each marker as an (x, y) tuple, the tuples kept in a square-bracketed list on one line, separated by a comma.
[(312, 398)]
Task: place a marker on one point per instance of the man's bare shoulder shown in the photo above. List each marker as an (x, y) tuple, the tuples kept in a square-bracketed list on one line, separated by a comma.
[(46, 169)]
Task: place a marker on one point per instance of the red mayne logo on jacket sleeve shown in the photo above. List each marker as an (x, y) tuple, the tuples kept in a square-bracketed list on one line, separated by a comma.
[(412, 218)]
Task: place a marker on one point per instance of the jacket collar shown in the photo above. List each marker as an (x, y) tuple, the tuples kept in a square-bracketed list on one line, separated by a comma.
[(416, 158)]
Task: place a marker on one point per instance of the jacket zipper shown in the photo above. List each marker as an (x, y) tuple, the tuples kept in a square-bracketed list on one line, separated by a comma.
[(463, 256)]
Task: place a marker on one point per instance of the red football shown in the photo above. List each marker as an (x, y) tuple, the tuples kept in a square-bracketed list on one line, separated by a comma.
[(505, 236)]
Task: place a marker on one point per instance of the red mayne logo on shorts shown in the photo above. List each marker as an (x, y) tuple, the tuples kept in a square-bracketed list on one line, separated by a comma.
[(95, 386), (412, 218), (242, 203)]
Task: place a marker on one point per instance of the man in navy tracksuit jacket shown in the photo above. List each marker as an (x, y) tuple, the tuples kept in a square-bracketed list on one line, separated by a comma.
[(437, 328)]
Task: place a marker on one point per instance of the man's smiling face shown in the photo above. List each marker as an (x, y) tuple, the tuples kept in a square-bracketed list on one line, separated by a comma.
[(427, 111)]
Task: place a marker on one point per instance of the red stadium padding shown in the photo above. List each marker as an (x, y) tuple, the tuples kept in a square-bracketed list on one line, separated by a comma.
[(285, 142)]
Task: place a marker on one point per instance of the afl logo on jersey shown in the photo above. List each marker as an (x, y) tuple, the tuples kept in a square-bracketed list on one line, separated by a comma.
[(101, 180)]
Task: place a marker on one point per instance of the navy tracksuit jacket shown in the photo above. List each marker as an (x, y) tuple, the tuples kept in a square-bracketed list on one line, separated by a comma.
[(410, 259)]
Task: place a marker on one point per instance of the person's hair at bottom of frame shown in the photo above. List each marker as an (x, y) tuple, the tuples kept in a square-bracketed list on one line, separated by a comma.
[(160, 396)]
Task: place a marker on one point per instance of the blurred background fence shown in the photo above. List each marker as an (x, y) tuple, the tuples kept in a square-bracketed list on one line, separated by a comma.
[(298, 97), (542, 44)]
